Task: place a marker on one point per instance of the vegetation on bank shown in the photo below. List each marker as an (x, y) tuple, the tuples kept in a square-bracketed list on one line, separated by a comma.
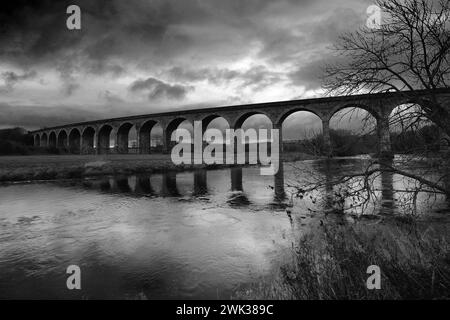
[(346, 143), (331, 261), (16, 141), (54, 167)]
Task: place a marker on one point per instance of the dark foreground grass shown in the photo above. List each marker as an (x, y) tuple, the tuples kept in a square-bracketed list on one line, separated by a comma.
[(331, 262)]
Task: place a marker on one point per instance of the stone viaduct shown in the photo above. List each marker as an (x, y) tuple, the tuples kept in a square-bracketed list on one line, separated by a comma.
[(94, 136)]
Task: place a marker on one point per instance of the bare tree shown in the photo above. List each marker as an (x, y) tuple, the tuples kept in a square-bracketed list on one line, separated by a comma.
[(409, 51)]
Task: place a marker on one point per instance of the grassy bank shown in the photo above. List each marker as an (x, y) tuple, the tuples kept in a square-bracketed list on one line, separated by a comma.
[(331, 263), (50, 167)]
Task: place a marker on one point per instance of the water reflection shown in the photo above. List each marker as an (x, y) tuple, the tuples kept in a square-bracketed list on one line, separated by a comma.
[(326, 168), (387, 192), (280, 194), (189, 184), (169, 185), (105, 185), (134, 239), (332, 169), (240, 192), (121, 184), (237, 197), (143, 186), (329, 197), (200, 183)]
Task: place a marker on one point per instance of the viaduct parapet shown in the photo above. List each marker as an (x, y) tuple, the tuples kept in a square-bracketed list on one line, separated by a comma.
[(94, 136)]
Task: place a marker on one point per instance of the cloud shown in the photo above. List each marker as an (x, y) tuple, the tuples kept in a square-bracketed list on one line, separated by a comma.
[(258, 76), (111, 98), (309, 75), (11, 78), (69, 88), (157, 89), (152, 32), (213, 75), (36, 117), (197, 51)]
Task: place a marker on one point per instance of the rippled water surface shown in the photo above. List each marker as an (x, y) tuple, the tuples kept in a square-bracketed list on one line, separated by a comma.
[(199, 234)]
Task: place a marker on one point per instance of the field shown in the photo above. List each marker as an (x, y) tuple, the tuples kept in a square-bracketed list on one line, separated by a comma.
[(49, 167)]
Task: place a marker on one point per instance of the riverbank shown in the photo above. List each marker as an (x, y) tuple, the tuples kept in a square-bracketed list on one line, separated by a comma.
[(53, 167), (331, 262)]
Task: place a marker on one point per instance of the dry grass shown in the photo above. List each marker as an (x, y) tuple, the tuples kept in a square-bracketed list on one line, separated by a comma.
[(49, 167), (331, 263)]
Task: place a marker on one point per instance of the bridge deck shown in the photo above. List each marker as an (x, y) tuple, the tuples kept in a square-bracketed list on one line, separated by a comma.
[(256, 106)]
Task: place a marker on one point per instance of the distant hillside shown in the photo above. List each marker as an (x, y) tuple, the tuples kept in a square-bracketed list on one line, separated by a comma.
[(15, 134), (15, 141)]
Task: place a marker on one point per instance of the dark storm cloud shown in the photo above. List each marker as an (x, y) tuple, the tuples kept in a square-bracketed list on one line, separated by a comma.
[(36, 117), (156, 89), (213, 75), (257, 76), (11, 78), (260, 77), (310, 38), (181, 43), (35, 31), (310, 75), (111, 98), (69, 88)]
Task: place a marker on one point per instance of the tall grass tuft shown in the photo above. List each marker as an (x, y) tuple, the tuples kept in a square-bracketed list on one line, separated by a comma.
[(331, 262)]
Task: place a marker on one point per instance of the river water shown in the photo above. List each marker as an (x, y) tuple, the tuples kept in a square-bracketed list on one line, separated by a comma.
[(199, 234)]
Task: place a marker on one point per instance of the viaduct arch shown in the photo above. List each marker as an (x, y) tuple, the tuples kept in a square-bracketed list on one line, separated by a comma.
[(96, 136)]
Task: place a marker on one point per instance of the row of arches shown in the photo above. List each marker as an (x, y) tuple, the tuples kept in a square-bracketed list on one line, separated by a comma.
[(153, 136)]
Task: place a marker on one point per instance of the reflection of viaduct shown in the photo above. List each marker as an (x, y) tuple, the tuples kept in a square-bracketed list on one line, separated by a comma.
[(94, 136), (168, 187)]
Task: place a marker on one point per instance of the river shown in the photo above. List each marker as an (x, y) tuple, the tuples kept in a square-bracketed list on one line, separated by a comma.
[(188, 235)]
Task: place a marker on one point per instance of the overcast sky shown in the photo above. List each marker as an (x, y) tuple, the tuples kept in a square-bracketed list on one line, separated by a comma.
[(133, 57)]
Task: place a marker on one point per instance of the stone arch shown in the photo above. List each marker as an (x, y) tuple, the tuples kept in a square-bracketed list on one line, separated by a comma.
[(44, 140), (411, 128), (74, 141), (37, 140), (122, 140), (103, 139), (241, 118), (52, 139), (414, 107), (370, 115), (302, 131), (145, 135), (251, 136), (216, 122), (289, 112), (376, 114), (88, 140), (210, 118), (62, 139), (355, 129), (157, 137), (171, 127)]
